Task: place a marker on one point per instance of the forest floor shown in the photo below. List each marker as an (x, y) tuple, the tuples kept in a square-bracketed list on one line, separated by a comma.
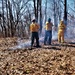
[(48, 60)]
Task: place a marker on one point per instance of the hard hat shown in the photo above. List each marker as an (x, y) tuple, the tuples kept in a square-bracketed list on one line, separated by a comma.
[(46, 22), (61, 21), (33, 20), (49, 20)]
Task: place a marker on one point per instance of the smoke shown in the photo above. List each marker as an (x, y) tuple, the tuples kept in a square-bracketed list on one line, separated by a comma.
[(22, 44), (70, 31), (54, 35), (27, 43), (70, 34)]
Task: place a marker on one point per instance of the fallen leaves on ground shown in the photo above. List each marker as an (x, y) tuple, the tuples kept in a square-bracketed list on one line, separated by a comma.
[(49, 60)]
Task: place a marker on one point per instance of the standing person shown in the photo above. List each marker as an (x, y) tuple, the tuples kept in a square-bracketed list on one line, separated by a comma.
[(34, 28), (61, 29), (48, 32)]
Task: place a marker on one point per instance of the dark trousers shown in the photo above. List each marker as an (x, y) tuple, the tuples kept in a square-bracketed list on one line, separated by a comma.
[(48, 37), (34, 36)]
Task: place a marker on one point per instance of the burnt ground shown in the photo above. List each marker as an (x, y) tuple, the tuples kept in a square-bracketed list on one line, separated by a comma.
[(57, 59)]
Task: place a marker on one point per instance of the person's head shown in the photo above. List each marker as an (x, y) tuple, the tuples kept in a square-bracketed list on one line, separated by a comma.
[(33, 20), (61, 22), (49, 20)]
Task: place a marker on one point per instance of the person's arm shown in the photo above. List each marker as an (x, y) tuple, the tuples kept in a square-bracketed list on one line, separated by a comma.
[(38, 26), (64, 26), (52, 24)]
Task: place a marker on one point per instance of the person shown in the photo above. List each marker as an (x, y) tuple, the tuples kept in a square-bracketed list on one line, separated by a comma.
[(61, 29), (48, 32), (34, 28)]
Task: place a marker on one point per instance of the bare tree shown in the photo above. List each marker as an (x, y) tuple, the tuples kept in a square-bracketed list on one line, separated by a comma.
[(11, 18), (55, 14), (45, 10), (3, 18), (7, 19), (37, 11), (1, 26), (40, 3), (65, 11), (36, 6), (59, 8), (16, 15)]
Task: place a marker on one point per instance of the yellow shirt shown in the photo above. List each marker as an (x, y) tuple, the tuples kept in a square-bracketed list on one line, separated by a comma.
[(34, 27), (61, 27), (48, 26)]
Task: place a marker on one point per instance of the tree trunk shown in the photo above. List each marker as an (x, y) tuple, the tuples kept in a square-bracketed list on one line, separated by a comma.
[(55, 16), (40, 1), (65, 12), (8, 29), (35, 8), (46, 11), (4, 30), (11, 19), (60, 10)]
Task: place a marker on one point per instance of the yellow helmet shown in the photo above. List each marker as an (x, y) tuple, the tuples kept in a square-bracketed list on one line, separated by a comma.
[(61, 22), (46, 22)]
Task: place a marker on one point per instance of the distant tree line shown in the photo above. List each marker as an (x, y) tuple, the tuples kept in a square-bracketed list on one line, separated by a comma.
[(16, 15)]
